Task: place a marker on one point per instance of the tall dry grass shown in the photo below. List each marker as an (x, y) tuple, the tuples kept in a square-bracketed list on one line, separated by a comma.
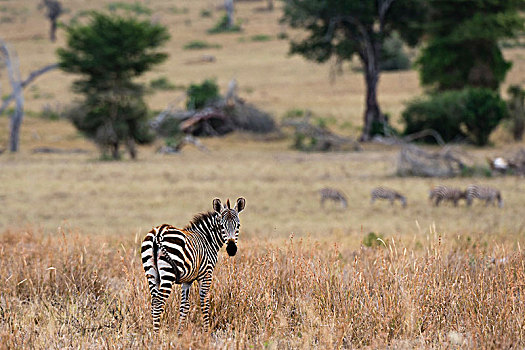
[(74, 291)]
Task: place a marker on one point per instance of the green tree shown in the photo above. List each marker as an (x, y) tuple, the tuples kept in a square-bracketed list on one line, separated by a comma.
[(109, 51), (462, 47), (344, 28)]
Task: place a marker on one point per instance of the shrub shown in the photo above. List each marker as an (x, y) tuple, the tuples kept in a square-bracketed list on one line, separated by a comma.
[(484, 109), (205, 13), (471, 112), (222, 26), (135, 7), (177, 11), (261, 37), (393, 56), (162, 83), (200, 44), (201, 94), (373, 240)]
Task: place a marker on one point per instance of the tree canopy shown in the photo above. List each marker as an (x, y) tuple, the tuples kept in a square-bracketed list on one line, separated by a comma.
[(462, 47), (344, 28), (108, 52)]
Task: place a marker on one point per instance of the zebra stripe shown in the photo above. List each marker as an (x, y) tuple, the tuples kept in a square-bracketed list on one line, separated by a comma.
[(182, 256), (334, 195), (388, 194), (488, 194), (444, 193)]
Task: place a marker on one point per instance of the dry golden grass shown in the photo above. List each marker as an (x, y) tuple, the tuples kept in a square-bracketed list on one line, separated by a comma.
[(73, 291)]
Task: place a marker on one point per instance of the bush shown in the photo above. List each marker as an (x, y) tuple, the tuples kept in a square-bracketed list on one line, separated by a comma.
[(393, 56), (469, 113), (206, 13), (135, 7), (201, 94), (222, 26), (199, 45), (373, 240), (261, 37), (162, 83), (484, 109)]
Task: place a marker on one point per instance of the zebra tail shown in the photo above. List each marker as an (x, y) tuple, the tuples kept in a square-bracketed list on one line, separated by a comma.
[(149, 254)]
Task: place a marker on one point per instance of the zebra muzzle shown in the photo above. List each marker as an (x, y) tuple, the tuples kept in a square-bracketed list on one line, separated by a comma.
[(231, 248)]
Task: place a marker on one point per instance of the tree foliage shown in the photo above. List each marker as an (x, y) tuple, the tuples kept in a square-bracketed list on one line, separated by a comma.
[(462, 47), (108, 52), (344, 28), (471, 113)]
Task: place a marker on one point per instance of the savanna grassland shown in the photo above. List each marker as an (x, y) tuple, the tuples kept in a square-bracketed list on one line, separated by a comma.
[(71, 225)]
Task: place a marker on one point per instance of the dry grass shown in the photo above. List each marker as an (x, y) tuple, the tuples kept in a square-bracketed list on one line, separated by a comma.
[(68, 290)]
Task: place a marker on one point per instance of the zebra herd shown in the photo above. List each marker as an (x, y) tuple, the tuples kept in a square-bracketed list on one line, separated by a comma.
[(437, 195)]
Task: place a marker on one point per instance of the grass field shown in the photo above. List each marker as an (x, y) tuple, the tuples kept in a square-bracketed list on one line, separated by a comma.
[(71, 225)]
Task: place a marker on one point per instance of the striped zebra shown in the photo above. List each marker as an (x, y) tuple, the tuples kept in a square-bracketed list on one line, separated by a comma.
[(488, 194), (182, 256), (444, 193), (333, 195), (389, 194)]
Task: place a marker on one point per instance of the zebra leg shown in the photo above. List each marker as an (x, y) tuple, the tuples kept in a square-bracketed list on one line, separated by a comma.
[(204, 292), (158, 301), (184, 306), (438, 200)]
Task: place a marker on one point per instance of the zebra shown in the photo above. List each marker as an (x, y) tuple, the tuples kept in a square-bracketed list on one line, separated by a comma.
[(387, 193), (334, 195), (182, 256), (488, 194), (444, 193)]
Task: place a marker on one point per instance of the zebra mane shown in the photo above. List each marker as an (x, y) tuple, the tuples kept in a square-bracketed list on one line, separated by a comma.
[(200, 218)]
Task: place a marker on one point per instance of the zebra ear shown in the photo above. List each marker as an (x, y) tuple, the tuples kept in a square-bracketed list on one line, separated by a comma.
[(241, 203), (217, 206)]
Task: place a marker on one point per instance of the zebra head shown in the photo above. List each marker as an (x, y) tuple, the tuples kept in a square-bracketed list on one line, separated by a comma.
[(229, 222)]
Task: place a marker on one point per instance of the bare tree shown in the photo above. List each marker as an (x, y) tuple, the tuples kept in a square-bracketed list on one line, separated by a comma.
[(53, 11), (13, 70), (17, 84)]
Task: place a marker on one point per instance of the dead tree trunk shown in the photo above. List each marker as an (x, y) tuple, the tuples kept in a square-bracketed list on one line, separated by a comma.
[(13, 70), (228, 5)]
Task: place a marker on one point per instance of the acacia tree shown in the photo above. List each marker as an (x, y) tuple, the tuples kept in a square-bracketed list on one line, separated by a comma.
[(109, 52), (344, 28), (462, 47)]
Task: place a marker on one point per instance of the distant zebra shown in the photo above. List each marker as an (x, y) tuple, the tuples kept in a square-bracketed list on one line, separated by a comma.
[(334, 195), (388, 194), (182, 256), (444, 193), (488, 194)]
